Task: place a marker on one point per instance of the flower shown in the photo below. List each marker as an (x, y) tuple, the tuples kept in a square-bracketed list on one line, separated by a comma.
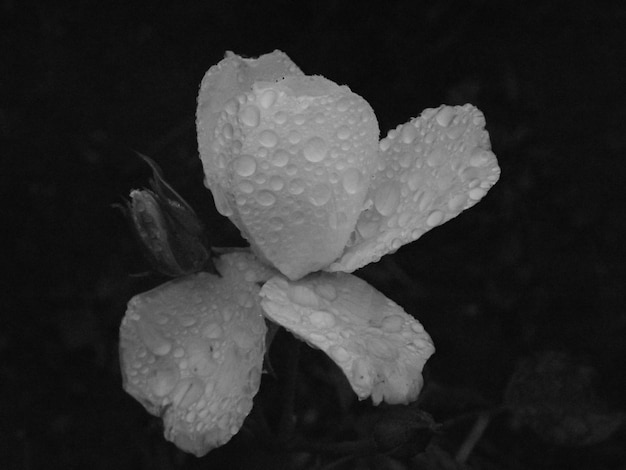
[(294, 161)]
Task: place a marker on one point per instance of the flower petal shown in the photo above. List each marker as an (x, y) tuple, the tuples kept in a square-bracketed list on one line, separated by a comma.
[(220, 86), (432, 168), (379, 347), (297, 156), (191, 351)]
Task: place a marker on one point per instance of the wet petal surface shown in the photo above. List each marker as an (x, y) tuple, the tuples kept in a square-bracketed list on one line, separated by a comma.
[(191, 351), (293, 158), (379, 347), (431, 169)]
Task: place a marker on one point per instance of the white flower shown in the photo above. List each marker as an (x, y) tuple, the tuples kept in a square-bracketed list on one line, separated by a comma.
[(294, 161)]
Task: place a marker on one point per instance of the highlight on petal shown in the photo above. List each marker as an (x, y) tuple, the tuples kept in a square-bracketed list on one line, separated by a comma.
[(191, 351), (431, 169), (289, 160), (380, 348)]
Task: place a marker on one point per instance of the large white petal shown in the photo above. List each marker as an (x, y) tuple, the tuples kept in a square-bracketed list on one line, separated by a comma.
[(292, 161), (221, 84), (380, 348), (191, 351), (431, 169)]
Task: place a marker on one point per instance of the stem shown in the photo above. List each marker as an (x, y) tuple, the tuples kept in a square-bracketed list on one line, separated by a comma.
[(472, 438)]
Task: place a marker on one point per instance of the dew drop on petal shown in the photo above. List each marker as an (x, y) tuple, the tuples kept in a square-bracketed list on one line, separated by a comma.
[(267, 99), (280, 158), (351, 180), (343, 132), (265, 198), (320, 194), (246, 187), (434, 219), (296, 186), (268, 139), (322, 319), (315, 149), (277, 183), (477, 193), (245, 165), (445, 116), (408, 133), (250, 116), (387, 198)]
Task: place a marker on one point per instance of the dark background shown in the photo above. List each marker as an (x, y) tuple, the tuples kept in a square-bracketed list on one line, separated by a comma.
[(535, 267)]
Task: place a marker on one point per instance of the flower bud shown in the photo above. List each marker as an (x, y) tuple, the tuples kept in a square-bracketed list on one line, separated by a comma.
[(167, 228)]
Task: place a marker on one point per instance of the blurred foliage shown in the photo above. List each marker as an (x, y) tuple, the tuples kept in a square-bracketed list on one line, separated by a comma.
[(534, 267)]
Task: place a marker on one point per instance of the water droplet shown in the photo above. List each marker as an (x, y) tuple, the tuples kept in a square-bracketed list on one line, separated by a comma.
[(280, 158), (250, 116), (303, 295), (479, 157), (457, 202), (387, 198), (367, 229), (231, 107), (227, 131), (436, 157), (445, 116), (320, 194), (268, 139), (477, 193), (245, 165), (277, 183), (265, 198), (343, 104), (434, 219), (343, 132), (327, 291), (339, 354), (246, 187), (351, 180), (323, 320), (267, 99), (280, 118), (296, 186), (392, 323), (315, 149), (221, 203), (408, 133), (164, 380)]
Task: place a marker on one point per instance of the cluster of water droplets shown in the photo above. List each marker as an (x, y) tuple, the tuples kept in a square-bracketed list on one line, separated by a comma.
[(293, 160), (192, 351), (431, 169)]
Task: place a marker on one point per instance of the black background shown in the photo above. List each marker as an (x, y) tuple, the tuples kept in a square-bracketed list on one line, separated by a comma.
[(536, 266)]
